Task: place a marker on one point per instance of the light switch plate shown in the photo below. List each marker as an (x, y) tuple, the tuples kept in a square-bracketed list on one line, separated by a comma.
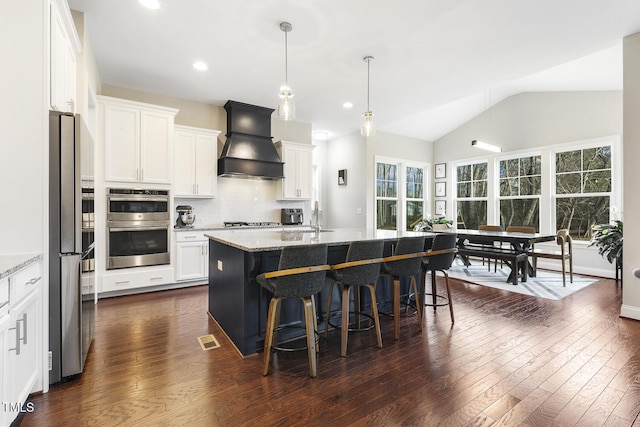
[(220, 265)]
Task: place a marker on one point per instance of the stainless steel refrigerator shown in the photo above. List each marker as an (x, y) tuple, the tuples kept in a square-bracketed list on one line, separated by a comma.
[(71, 312)]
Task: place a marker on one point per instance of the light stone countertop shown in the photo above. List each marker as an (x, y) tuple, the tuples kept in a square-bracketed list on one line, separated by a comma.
[(9, 264), (256, 240)]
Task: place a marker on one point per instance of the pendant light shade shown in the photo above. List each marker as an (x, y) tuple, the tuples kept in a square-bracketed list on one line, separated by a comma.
[(368, 127), (286, 100)]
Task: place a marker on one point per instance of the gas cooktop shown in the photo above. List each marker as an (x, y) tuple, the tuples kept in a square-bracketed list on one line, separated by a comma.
[(251, 224)]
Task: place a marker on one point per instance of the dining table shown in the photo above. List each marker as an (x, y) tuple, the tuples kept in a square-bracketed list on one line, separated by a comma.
[(520, 243)]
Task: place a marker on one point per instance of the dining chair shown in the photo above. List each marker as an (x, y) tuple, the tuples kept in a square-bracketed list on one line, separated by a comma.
[(360, 269), (564, 240), (491, 228), (301, 274), (524, 229)]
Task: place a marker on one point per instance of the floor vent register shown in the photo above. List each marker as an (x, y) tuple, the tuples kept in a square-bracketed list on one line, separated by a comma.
[(208, 342)]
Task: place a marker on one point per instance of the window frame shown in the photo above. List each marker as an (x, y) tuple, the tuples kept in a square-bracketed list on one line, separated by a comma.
[(499, 197)]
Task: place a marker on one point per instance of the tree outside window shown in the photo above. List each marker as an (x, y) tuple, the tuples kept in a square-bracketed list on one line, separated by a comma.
[(520, 189), (471, 195), (414, 211), (386, 196), (583, 190)]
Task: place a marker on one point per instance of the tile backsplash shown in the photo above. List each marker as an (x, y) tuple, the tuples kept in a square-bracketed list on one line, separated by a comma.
[(241, 199)]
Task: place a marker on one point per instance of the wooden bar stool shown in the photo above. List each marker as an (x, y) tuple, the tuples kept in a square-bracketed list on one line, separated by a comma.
[(301, 274), (361, 268), (440, 258)]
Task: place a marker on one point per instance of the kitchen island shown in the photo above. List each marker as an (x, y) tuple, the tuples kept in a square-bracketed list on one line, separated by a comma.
[(236, 301)]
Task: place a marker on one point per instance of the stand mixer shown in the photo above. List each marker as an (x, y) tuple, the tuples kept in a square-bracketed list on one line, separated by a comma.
[(185, 217)]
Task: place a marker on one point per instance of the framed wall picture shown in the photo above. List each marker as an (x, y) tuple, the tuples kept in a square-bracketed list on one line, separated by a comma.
[(441, 170), (342, 177), (441, 189), (441, 207)]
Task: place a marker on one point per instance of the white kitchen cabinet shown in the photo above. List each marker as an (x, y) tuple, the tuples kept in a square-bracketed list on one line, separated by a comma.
[(21, 345), (64, 46), (192, 255), (138, 141), (195, 162), (297, 159)]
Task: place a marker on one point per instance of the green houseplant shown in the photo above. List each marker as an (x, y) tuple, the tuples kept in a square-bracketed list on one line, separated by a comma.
[(608, 239), (426, 223)]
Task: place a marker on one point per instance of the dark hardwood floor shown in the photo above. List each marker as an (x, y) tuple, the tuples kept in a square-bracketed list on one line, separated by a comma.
[(509, 360)]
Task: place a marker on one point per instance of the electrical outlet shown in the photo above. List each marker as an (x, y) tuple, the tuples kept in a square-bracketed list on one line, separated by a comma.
[(359, 211), (220, 265)]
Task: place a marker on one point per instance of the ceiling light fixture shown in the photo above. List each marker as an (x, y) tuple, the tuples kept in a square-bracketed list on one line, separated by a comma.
[(368, 127), (200, 66), (486, 146), (150, 4), (286, 102)]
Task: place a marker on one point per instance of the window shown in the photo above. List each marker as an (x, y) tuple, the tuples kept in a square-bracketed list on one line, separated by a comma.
[(471, 195), (583, 189), (520, 189), (414, 196), (386, 196), (400, 194)]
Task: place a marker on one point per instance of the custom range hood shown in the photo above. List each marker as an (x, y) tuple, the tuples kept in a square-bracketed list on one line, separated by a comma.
[(249, 151)]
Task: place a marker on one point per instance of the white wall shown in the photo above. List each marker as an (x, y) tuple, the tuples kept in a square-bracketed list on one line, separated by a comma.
[(357, 155), (24, 126), (631, 260)]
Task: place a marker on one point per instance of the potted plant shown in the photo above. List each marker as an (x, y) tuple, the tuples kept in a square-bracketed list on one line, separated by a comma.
[(608, 239), (426, 223)]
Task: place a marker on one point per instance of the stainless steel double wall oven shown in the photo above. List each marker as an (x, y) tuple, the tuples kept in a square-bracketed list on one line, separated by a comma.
[(138, 227)]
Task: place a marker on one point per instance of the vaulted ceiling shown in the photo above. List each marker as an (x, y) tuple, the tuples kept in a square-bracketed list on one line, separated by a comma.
[(437, 63)]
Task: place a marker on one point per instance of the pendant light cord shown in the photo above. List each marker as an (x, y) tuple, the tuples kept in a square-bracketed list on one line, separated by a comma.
[(286, 60), (368, 81)]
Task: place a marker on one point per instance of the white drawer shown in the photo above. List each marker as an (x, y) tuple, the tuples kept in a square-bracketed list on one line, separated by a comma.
[(25, 281), (190, 236), (136, 279), (4, 296)]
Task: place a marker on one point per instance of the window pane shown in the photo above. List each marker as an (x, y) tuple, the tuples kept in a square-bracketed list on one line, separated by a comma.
[(464, 173), (580, 214), (472, 213), (512, 168), (480, 171), (386, 211), (597, 158), (568, 183), (568, 161), (414, 182), (464, 189), (520, 212), (414, 213), (597, 182), (530, 186), (480, 189), (530, 166)]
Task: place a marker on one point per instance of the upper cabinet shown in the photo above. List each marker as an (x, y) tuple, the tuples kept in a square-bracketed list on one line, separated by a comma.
[(64, 46), (138, 141), (195, 162), (297, 159)]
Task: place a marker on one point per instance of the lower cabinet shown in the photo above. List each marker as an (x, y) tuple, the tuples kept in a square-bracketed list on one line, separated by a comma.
[(192, 256), (134, 278), (21, 342)]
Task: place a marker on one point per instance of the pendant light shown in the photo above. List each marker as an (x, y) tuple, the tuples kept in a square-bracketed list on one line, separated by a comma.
[(368, 127), (484, 145), (286, 101)]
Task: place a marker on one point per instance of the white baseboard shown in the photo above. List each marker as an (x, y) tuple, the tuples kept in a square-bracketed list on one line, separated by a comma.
[(630, 312)]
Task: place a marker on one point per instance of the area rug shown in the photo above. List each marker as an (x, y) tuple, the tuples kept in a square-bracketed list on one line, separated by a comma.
[(546, 284)]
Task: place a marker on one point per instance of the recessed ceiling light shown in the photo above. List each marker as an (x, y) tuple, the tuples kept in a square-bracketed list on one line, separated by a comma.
[(150, 4), (321, 135), (200, 66), (347, 105)]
